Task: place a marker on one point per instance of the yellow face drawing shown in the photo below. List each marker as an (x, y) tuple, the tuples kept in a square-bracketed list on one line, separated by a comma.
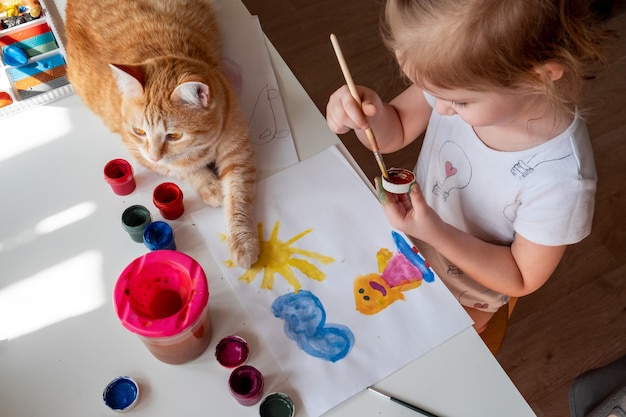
[(372, 294)]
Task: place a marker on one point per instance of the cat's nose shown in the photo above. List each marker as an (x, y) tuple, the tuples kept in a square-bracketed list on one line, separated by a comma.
[(155, 156)]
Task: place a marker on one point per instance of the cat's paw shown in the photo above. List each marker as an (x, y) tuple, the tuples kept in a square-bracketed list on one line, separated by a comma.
[(211, 194), (244, 248)]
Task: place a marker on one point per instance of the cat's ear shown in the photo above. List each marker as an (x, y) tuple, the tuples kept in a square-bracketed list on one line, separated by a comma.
[(130, 79), (194, 93)]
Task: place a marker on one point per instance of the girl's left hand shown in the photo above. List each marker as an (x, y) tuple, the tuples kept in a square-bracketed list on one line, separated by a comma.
[(409, 213)]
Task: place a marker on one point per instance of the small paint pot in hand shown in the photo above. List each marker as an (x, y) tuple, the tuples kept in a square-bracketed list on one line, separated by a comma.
[(118, 173), (168, 198), (399, 182)]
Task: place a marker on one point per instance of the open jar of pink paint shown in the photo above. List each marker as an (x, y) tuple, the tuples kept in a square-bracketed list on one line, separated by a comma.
[(163, 298), (232, 351)]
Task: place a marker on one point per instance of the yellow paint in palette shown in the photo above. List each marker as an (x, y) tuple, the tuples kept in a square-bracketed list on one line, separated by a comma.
[(277, 256)]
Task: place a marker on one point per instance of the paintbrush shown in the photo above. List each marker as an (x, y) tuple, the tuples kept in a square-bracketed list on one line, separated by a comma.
[(352, 87), (404, 403)]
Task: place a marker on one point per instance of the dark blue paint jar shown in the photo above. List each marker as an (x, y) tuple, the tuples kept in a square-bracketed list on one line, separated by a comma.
[(121, 394), (159, 235)]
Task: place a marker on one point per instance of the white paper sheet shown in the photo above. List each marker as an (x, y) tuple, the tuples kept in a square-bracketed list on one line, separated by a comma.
[(247, 61), (324, 196)]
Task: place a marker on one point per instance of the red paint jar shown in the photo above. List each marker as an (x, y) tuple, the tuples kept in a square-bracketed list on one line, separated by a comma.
[(118, 173), (168, 198)]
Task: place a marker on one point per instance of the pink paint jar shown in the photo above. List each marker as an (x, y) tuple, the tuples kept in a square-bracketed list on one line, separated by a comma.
[(168, 198), (118, 173), (163, 297), (232, 351), (246, 385)]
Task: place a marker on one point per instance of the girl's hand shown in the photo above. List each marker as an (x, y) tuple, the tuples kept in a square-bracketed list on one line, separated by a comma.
[(409, 213), (344, 114)]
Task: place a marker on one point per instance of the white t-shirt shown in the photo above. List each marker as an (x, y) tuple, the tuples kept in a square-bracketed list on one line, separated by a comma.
[(545, 194)]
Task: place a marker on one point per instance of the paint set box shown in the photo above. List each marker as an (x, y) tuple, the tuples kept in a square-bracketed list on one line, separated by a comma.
[(33, 68)]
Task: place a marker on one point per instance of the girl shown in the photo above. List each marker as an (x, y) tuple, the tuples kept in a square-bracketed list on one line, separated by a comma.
[(506, 177)]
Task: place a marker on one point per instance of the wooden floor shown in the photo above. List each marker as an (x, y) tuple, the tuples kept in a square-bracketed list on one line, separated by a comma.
[(577, 321)]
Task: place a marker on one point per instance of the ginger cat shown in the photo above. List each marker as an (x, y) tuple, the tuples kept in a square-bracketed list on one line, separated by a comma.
[(151, 69)]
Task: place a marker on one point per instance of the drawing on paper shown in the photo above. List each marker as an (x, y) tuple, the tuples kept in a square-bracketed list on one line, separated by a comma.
[(263, 114), (305, 324), (279, 257), (399, 272)]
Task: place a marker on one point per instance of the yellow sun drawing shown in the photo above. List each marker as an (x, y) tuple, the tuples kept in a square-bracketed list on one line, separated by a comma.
[(277, 257)]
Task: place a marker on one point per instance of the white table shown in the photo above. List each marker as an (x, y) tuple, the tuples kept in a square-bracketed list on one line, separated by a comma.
[(62, 248)]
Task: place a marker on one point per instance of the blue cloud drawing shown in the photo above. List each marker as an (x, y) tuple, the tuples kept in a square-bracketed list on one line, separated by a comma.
[(305, 324)]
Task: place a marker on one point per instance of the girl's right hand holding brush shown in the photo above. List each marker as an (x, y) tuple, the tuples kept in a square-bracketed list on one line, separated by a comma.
[(344, 114)]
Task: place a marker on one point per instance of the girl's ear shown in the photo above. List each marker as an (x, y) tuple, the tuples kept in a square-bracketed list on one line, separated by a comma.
[(552, 69)]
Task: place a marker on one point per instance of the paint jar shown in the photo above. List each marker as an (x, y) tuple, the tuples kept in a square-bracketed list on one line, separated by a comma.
[(399, 182), (158, 236), (134, 220), (277, 404), (232, 351), (118, 173), (163, 298), (168, 198), (246, 385), (121, 394)]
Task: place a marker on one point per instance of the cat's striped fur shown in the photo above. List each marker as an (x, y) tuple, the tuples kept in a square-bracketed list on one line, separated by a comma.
[(151, 69)]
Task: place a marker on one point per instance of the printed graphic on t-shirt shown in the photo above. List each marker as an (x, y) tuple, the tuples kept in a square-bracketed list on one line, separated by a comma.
[(522, 169), (455, 167)]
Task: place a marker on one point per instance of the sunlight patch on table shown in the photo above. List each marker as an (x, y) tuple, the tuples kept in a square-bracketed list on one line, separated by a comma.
[(53, 295)]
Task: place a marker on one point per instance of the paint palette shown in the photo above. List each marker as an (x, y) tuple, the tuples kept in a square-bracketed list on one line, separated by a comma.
[(33, 68)]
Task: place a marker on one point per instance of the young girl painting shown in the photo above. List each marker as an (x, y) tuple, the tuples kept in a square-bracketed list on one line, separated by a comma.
[(506, 176)]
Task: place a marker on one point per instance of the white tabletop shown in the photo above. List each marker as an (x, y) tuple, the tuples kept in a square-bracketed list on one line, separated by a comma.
[(62, 248)]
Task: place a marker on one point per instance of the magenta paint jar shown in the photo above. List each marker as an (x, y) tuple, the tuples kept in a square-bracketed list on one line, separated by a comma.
[(246, 385), (168, 198), (163, 297), (232, 351), (118, 173)]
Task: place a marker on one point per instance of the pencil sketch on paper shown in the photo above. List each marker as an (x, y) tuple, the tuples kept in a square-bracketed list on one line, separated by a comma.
[(280, 257), (263, 123), (397, 272), (305, 324)]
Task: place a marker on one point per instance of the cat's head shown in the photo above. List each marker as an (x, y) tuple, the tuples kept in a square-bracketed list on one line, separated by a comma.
[(166, 120)]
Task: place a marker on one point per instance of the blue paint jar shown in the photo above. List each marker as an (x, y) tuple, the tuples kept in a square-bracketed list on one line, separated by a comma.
[(159, 235), (121, 394)]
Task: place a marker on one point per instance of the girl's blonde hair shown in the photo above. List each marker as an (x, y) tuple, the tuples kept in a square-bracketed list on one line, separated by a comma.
[(496, 44)]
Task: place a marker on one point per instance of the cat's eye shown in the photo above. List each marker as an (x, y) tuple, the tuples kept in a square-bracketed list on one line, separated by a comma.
[(174, 136), (138, 131)]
